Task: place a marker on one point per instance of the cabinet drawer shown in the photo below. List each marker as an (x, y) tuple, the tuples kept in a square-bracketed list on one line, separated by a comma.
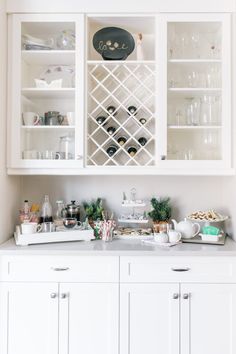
[(177, 269), (60, 269)]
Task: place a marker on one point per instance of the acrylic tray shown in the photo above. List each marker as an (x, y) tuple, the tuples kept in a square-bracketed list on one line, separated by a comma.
[(49, 237)]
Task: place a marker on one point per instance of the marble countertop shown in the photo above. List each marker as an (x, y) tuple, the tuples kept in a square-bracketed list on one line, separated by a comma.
[(119, 248)]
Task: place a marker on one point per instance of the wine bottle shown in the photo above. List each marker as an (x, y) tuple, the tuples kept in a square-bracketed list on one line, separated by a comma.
[(100, 119), (142, 141), (46, 211), (111, 130), (132, 151), (142, 120), (111, 150), (132, 110), (121, 140), (111, 110)]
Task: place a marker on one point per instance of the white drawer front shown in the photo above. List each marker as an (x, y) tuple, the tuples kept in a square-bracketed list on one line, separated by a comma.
[(60, 269), (177, 269)]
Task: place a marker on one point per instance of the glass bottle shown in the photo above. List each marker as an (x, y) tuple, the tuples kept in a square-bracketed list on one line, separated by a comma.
[(142, 141), (111, 110), (46, 210), (132, 110), (25, 212), (58, 219), (111, 130), (132, 151), (111, 150)]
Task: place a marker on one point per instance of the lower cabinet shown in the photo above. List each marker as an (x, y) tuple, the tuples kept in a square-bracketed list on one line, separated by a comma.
[(178, 319), (28, 318), (45, 318), (208, 318), (149, 318)]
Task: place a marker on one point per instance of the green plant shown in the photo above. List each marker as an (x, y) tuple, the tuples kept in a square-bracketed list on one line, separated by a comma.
[(94, 209), (161, 209)]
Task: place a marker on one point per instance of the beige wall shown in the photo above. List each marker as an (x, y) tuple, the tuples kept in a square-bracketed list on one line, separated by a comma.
[(9, 186)]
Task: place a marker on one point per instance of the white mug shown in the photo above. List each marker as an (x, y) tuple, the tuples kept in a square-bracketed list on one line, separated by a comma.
[(70, 118), (30, 154), (161, 237), (30, 228), (174, 236), (30, 118)]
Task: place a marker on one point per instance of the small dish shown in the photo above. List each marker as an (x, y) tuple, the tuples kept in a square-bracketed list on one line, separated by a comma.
[(210, 238)]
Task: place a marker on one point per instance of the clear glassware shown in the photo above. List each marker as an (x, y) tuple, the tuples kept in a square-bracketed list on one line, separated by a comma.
[(65, 148), (60, 213), (184, 45), (209, 111), (46, 210), (66, 40), (193, 79), (192, 111), (195, 45), (214, 45)]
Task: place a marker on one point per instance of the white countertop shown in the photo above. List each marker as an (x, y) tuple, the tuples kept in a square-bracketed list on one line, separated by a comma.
[(118, 248)]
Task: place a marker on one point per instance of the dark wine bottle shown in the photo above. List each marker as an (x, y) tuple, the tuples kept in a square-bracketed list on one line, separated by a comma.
[(111, 130), (111, 110), (142, 120), (132, 151), (132, 110), (100, 119), (121, 140), (111, 150), (142, 141)]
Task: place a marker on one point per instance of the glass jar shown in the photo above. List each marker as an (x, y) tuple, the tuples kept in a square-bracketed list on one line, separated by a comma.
[(58, 219), (65, 148)]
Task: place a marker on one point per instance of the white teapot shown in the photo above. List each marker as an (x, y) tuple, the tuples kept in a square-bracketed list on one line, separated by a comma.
[(187, 228)]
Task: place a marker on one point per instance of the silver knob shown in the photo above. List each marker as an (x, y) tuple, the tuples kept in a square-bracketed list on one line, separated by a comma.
[(185, 296), (63, 295), (79, 157), (53, 295), (175, 296)]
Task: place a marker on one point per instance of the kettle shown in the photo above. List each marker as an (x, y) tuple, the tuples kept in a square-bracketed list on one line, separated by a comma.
[(187, 228), (72, 210)]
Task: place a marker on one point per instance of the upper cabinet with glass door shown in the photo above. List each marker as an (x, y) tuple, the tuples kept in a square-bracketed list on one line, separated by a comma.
[(196, 97), (45, 100)]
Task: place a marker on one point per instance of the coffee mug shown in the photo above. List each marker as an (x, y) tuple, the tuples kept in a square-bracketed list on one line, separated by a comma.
[(30, 154), (30, 118), (30, 228), (161, 237), (174, 236)]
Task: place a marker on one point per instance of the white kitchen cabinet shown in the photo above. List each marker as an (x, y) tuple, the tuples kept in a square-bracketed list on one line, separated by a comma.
[(29, 318), (208, 318), (44, 142), (89, 318), (194, 91), (149, 318), (194, 48), (71, 307)]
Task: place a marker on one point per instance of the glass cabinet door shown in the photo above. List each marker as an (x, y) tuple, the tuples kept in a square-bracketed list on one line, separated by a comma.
[(196, 116), (46, 97)]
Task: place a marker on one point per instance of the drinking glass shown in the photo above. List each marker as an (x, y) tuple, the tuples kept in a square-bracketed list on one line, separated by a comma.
[(195, 45), (210, 110), (192, 111), (184, 45), (192, 79), (214, 43)]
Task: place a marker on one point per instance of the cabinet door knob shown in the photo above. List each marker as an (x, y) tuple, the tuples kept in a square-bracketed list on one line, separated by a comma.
[(185, 296), (175, 296), (63, 295), (79, 157), (53, 295)]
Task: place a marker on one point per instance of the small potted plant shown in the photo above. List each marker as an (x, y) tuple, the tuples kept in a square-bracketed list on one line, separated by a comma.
[(160, 214), (93, 211)]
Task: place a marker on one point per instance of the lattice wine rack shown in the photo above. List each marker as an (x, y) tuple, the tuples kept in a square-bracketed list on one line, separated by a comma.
[(123, 137)]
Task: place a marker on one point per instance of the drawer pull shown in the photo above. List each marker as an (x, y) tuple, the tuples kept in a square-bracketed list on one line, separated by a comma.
[(180, 269), (53, 295), (186, 296), (60, 269), (63, 295), (175, 296)]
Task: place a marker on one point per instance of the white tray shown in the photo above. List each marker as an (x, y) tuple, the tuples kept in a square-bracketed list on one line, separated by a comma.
[(49, 237)]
